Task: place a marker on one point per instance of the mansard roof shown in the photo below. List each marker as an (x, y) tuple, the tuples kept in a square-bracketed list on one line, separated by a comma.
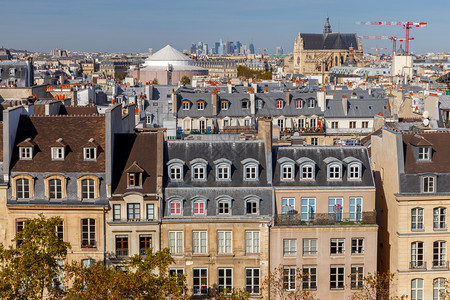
[(330, 41)]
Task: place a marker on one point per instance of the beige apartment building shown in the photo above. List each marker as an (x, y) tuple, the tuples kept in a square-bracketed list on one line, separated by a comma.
[(413, 174), (325, 221)]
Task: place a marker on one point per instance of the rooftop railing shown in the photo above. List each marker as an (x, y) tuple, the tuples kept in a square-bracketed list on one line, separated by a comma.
[(325, 219)]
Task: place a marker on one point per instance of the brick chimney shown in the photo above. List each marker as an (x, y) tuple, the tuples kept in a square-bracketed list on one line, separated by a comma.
[(265, 132), (214, 102), (174, 103), (345, 104), (288, 97)]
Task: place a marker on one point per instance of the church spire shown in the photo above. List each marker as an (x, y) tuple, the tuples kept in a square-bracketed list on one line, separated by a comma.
[(327, 27)]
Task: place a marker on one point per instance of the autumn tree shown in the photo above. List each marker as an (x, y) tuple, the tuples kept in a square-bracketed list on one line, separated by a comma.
[(376, 287), (234, 294), (32, 268), (186, 80), (287, 284)]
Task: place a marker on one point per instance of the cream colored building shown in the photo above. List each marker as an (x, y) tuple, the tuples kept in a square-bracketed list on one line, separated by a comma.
[(412, 174)]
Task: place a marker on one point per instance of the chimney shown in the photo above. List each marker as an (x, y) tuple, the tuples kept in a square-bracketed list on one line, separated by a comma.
[(214, 102), (345, 104), (229, 87), (252, 102), (288, 97), (255, 86), (174, 103), (265, 132)]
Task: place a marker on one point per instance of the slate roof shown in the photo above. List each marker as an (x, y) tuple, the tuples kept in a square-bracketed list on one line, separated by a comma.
[(330, 41), (131, 153), (270, 104), (357, 108), (319, 155), (44, 131)]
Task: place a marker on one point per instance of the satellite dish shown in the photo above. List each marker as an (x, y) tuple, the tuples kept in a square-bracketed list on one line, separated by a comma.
[(426, 122), (426, 114)]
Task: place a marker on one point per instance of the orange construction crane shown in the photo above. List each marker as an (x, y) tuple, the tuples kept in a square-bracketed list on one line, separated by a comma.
[(264, 49), (394, 40)]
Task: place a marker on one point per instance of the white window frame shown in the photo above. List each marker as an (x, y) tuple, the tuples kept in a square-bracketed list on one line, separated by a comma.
[(334, 171), (252, 241), (251, 171), (309, 278), (279, 104), (308, 209), (299, 104), (254, 206), (186, 105), (222, 280), (439, 218), (439, 254), (177, 246), (287, 206), (23, 189), (199, 242), (224, 242), (57, 153), (90, 153), (311, 103), (148, 119), (197, 289), (424, 153), (354, 171), (224, 105), (287, 171), (200, 105), (224, 204), (289, 278), (439, 288), (429, 184), (199, 203), (223, 172), (175, 172), (417, 219), (253, 278), (26, 153), (335, 283), (88, 187), (356, 276), (417, 289), (176, 202), (356, 208), (289, 247), (337, 246), (307, 171), (417, 255), (199, 172), (310, 247), (357, 246)]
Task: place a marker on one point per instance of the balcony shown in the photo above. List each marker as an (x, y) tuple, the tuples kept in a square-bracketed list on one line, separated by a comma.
[(88, 244), (440, 264), (418, 265), (130, 220), (326, 219)]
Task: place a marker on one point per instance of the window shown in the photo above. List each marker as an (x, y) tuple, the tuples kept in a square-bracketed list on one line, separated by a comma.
[(428, 184), (417, 289), (287, 172), (200, 285), (354, 171), (200, 105), (224, 105), (356, 209), (417, 255), (88, 188), (90, 153), (55, 189), (252, 241), (365, 124), (309, 277), (439, 291), (417, 219), (439, 218), (176, 242), (19, 227), (439, 251), (424, 153), (308, 209), (186, 105), (224, 239), (12, 71), (247, 122), (226, 123), (357, 246), (301, 123), (223, 172), (334, 172), (122, 246), (244, 104), (199, 172), (252, 280), (287, 205), (307, 172), (290, 247), (116, 212), (337, 277), (175, 173), (337, 246), (289, 278), (148, 119), (133, 211), (352, 124), (224, 207), (175, 208), (299, 104), (174, 272), (88, 262), (281, 124), (309, 247), (311, 103), (145, 243), (250, 172), (251, 207), (279, 104), (26, 153), (23, 188), (57, 153), (335, 209), (357, 277), (150, 212), (60, 231), (199, 207), (225, 280), (313, 123), (334, 124), (199, 242), (314, 141), (202, 126), (88, 233)]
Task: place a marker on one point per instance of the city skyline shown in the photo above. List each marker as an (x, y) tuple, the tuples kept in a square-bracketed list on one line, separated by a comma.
[(118, 26)]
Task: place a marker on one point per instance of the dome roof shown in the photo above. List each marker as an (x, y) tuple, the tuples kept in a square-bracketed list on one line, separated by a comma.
[(168, 53)]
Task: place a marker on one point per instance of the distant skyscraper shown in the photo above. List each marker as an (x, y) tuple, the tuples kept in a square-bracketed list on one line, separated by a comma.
[(221, 48), (251, 48), (279, 51), (205, 48), (216, 48), (238, 47), (227, 47)]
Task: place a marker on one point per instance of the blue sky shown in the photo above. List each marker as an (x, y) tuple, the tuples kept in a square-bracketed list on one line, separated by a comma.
[(136, 25)]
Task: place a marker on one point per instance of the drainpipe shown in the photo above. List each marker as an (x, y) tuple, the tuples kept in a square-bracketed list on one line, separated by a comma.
[(104, 236), (270, 226), (160, 220)]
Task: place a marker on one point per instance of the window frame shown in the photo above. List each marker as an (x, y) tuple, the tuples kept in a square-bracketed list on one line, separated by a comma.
[(307, 171), (298, 104), (424, 153), (90, 153), (91, 233), (417, 219), (284, 172), (337, 246), (357, 245), (289, 278), (356, 277), (200, 105), (417, 289), (199, 207), (224, 280), (279, 104), (356, 209), (338, 276), (147, 210), (90, 186), (173, 210), (224, 105), (199, 242), (308, 210), (309, 247), (429, 184), (26, 153), (227, 246), (178, 245), (199, 172), (57, 153), (309, 280), (254, 288), (146, 240), (15, 186), (287, 206), (439, 254), (252, 242), (417, 255), (440, 218), (55, 189), (123, 242), (289, 247), (352, 173), (133, 210), (224, 207), (334, 169), (202, 287), (117, 212)]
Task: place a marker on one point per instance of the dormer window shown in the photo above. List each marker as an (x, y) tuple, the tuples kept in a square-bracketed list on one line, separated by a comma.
[(424, 153), (279, 104), (354, 171), (260, 103), (201, 105), (298, 104), (90, 153), (334, 172), (186, 105), (175, 169), (12, 71), (251, 169), (134, 175), (175, 207), (252, 205), (224, 105), (198, 169), (428, 184), (311, 103), (287, 168), (199, 207), (244, 104), (223, 169), (224, 206), (307, 168), (57, 153), (26, 153)]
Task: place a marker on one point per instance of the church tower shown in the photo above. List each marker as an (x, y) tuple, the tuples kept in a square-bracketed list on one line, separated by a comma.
[(327, 27)]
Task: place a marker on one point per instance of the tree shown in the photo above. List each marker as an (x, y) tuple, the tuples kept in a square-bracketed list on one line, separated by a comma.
[(185, 80), (31, 270), (120, 76), (145, 278), (155, 81), (376, 287), (277, 284), (235, 294)]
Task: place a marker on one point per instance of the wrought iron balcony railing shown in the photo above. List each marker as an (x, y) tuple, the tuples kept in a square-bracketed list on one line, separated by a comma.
[(325, 219)]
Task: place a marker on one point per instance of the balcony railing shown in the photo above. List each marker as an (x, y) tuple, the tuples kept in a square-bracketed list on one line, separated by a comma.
[(440, 264), (326, 219), (418, 265), (130, 220)]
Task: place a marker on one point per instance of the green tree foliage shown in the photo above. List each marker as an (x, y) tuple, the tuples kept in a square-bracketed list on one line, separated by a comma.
[(155, 81), (32, 269), (120, 76), (145, 278), (376, 287), (276, 285), (235, 294), (249, 73), (185, 80)]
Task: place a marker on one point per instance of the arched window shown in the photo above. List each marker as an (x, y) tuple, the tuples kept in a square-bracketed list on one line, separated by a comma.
[(417, 256), (224, 206), (417, 289), (88, 187), (252, 205), (55, 187), (175, 207), (334, 168), (307, 168), (439, 218), (287, 168), (198, 169), (251, 169), (199, 207), (417, 218), (439, 288), (175, 169), (23, 187), (223, 169)]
